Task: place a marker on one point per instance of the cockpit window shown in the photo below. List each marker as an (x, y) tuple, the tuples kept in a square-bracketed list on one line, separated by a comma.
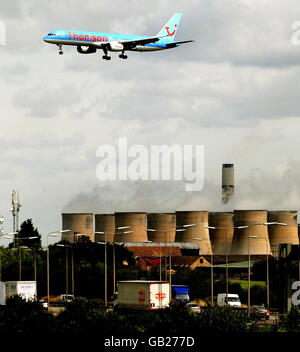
[(49, 34)]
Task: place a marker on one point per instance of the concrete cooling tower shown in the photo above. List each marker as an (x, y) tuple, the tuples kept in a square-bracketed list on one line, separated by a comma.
[(78, 223), (105, 223), (222, 235), (200, 219), (227, 182), (254, 219), (282, 234), (137, 224), (165, 223)]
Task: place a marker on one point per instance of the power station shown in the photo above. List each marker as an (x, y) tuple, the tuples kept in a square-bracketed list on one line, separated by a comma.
[(105, 223), (250, 233), (234, 233), (164, 225), (77, 223), (198, 233), (221, 232), (136, 223), (237, 233)]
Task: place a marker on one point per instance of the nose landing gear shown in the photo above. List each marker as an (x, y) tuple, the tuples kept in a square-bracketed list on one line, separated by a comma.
[(60, 49), (123, 56)]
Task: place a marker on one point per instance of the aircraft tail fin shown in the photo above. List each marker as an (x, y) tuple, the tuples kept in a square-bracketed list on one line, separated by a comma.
[(169, 30)]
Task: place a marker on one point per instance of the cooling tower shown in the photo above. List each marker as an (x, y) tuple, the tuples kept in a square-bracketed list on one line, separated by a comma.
[(227, 182), (254, 219), (282, 234), (137, 224), (165, 223), (78, 223), (105, 223), (222, 235), (200, 219)]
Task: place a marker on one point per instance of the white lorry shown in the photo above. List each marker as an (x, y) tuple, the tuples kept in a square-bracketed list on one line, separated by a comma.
[(25, 289), (143, 295), (233, 300)]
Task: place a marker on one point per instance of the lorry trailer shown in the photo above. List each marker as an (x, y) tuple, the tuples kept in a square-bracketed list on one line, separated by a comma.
[(25, 289), (143, 295)]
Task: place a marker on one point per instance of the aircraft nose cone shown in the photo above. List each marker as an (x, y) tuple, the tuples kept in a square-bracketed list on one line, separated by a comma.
[(45, 39)]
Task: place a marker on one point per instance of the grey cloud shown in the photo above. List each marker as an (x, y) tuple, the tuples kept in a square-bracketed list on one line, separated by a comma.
[(45, 102), (16, 73), (150, 196), (256, 191), (238, 32)]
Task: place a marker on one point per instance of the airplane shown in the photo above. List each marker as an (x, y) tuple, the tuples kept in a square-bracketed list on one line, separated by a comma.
[(90, 42)]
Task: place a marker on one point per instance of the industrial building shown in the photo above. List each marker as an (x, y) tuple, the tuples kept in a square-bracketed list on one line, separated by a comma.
[(77, 223), (198, 233), (164, 226), (221, 232), (135, 223), (105, 223), (205, 233), (282, 233), (250, 233)]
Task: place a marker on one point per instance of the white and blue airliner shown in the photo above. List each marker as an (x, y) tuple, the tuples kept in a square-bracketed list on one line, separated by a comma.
[(90, 42)]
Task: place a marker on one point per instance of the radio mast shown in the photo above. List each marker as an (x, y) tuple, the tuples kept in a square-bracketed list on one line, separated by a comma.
[(16, 205)]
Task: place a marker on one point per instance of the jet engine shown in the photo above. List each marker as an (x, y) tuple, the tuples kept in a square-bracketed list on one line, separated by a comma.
[(115, 46), (85, 49)]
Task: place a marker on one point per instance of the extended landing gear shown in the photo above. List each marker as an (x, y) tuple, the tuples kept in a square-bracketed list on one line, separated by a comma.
[(122, 56), (60, 49), (105, 56)]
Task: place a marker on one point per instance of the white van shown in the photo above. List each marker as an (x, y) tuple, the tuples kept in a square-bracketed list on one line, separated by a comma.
[(233, 300)]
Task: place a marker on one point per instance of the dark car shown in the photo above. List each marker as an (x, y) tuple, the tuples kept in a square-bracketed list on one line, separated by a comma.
[(259, 312)]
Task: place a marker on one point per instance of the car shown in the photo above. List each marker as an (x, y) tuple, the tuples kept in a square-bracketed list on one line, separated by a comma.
[(259, 312), (193, 307), (66, 298), (44, 303)]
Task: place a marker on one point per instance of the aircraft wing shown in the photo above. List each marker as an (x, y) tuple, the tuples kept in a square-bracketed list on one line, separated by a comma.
[(173, 44), (142, 41), (129, 44)]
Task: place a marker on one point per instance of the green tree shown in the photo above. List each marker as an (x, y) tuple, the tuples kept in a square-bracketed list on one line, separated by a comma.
[(28, 230)]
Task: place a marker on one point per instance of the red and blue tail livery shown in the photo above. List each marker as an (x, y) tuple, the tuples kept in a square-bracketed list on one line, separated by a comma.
[(90, 42)]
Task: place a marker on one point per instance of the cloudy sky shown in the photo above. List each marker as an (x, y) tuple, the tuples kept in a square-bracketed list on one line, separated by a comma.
[(235, 91)]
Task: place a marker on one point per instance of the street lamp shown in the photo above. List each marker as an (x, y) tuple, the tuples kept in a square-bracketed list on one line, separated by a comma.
[(34, 262), (20, 252), (67, 268), (72, 263), (211, 269), (226, 270), (184, 227), (249, 273), (105, 256), (267, 256), (4, 237), (51, 234), (249, 237)]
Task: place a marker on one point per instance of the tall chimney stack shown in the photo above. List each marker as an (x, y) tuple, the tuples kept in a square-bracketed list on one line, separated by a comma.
[(227, 182)]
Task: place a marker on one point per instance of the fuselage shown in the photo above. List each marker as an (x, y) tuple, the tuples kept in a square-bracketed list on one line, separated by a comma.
[(85, 38)]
